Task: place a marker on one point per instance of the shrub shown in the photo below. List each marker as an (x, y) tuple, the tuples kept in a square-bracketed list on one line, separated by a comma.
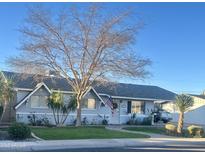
[(139, 121), (85, 121), (74, 121), (39, 123), (195, 131), (19, 131), (104, 119), (46, 122), (147, 121), (130, 122), (104, 122), (32, 119), (170, 128)]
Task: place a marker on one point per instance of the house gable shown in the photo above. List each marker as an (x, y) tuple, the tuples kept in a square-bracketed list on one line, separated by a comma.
[(38, 86), (92, 90)]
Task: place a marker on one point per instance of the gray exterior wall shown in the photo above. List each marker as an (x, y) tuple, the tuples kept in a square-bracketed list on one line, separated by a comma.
[(21, 94), (149, 107), (93, 116), (124, 116)]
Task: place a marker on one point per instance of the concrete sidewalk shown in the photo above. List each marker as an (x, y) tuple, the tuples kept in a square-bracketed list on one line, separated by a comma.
[(96, 143), (152, 135)]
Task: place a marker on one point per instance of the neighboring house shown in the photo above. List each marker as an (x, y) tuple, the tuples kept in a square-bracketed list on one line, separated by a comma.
[(31, 98), (195, 114)]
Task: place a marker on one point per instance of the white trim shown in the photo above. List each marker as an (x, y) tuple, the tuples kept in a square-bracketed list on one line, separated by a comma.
[(39, 107), (133, 98), (23, 89), (86, 109), (65, 92), (98, 95), (43, 84), (136, 98), (38, 113), (27, 89), (38, 86), (102, 94), (95, 93), (128, 115)]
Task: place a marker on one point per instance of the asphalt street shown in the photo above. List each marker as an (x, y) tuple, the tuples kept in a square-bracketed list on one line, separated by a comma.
[(135, 149)]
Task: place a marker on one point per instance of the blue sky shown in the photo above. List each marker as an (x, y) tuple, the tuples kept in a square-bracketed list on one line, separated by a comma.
[(173, 38)]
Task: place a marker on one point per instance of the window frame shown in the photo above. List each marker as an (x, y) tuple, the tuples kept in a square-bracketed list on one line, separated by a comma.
[(139, 106), (85, 107), (38, 107)]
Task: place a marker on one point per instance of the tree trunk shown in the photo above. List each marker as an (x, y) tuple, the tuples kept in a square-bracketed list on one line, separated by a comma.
[(180, 122), (78, 118), (4, 110)]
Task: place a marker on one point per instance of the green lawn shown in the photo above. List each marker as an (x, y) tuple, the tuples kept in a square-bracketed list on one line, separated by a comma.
[(82, 133), (155, 130)]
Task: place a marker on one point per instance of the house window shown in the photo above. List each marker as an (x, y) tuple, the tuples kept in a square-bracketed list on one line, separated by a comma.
[(39, 101), (89, 104), (136, 106)]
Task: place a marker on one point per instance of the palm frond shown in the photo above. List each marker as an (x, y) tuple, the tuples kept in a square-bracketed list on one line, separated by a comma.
[(184, 102)]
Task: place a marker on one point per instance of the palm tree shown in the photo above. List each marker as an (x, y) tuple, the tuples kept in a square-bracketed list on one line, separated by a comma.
[(6, 94), (59, 108), (183, 103)]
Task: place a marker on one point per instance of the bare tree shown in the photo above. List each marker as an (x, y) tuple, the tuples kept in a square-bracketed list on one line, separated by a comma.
[(83, 44)]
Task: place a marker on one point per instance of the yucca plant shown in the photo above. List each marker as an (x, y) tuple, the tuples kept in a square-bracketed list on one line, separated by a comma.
[(183, 103), (59, 108)]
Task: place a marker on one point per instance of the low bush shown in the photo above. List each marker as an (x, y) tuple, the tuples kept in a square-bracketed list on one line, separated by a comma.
[(104, 122), (85, 121), (46, 122), (131, 122), (171, 128), (34, 121), (19, 131), (39, 123), (140, 121), (147, 121), (195, 131)]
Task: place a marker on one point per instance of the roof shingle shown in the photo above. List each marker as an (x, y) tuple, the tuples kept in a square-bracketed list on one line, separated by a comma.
[(117, 89)]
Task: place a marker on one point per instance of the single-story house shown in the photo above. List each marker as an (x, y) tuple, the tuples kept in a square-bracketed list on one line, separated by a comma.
[(195, 113), (31, 98)]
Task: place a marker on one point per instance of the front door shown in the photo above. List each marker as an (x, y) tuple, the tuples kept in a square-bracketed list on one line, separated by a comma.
[(115, 116)]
